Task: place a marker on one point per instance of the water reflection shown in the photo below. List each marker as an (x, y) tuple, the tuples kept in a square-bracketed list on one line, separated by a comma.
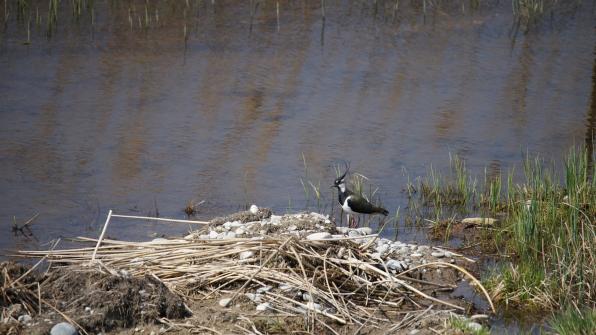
[(132, 117)]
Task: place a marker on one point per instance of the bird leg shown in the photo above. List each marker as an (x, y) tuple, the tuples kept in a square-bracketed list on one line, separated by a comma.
[(351, 222)]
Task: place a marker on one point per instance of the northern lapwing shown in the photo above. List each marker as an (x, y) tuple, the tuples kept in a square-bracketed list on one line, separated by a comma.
[(353, 203)]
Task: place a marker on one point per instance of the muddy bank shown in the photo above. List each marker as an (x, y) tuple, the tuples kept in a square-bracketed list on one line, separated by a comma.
[(97, 302), (257, 273)]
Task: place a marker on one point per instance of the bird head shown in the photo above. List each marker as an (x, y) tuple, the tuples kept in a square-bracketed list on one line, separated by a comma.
[(340, 181)]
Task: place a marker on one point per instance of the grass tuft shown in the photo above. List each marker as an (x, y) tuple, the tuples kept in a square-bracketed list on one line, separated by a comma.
[(574, 322)]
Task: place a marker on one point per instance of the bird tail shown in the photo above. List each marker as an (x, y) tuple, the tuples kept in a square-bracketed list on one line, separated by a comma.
[(382, 210)]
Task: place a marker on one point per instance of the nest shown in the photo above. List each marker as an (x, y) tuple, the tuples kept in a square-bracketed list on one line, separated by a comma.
[(335, 280)]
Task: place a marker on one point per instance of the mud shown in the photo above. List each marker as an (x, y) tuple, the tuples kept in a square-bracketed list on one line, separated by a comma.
[(96, 301)]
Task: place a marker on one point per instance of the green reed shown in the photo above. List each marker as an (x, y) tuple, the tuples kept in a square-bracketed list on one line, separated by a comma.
[(572, 321), (552, 236), (546, 227)]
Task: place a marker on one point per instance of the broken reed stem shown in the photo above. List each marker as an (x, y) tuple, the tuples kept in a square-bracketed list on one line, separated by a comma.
[(103, 232)]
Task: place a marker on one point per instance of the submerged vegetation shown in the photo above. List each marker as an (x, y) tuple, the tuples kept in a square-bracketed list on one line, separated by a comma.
[(546, 227)]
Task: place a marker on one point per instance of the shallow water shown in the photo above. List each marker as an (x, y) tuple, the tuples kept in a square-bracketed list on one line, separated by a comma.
[(103, 115)]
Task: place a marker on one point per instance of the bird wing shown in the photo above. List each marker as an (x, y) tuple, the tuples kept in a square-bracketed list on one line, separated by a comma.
[(361, 205)]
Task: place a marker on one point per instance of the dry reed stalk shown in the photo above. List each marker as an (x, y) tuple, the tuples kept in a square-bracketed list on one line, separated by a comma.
[(159, 219), (103, 231)]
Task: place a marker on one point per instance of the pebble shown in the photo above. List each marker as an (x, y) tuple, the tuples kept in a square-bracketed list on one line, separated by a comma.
[(403, 250), (253, 297), (239, 231), (438, 254), (63, 328), (396, 265), (414, 331), (423, 248), (160, 240), (25, 318), (365, 230), (343, 230), (312, 305), (292, 227), (263, 307), (275, 219), (474, 326), (246, 254), (354, 233), (376, 255), (318, 236), (306, 296), (381, 249), (230, 235), (416, 255), (285, 287), (88, 309), (225, 302), (213, 235), (264, 289), (254, 209)]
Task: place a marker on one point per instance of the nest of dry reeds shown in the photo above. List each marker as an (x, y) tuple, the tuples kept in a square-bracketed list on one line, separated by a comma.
[(337, 280)]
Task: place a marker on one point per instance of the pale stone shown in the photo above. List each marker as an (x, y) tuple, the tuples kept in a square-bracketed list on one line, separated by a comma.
[(254, 209), (253, 297), (365, 230), (225, 302), (263, 307), (382, 248), (25, 318), (264, 289), (63, 328), (318, 236), (474, 326), (416, 255), (343, 230), (396, 265), (354, 233), (285, 287), (275, 219), (438, 254), (313, 306), (246, 254)]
